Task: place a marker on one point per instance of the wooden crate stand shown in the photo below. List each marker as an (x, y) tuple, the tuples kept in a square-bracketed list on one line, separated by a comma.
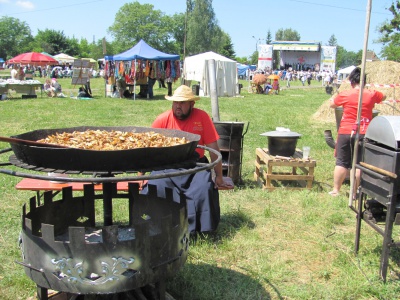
[(269, 168)]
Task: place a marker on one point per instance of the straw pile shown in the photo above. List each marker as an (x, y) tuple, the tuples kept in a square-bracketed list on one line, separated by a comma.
[(378, 73)]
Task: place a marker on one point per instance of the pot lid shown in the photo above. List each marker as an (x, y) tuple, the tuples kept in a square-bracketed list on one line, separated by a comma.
[(280, 133)]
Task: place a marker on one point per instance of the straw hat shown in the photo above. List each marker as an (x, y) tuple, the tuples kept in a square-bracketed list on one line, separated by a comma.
[(182, 93)]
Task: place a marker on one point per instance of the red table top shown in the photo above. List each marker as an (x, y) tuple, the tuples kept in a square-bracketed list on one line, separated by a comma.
[(46, 185)]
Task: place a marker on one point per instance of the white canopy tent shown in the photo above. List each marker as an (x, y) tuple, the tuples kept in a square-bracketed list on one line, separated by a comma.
[(64, 58), (196, 68), (342, 74)]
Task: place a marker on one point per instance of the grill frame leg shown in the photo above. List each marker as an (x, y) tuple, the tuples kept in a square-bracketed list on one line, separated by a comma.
[(387, 237), (359, 212), (42, 293), (161, 288)]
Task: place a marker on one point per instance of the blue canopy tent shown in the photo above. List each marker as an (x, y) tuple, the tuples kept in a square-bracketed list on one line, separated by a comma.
[(142, 51), (243, 68)]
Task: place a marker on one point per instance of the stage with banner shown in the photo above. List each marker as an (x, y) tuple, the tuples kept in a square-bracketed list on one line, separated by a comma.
[(298, 56)]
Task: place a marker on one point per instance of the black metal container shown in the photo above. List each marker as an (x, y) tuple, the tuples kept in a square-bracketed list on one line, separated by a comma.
[(282, 143), (230, 142)]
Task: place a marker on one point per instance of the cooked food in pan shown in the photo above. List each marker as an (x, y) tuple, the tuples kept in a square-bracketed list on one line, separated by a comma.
[(112, 140)]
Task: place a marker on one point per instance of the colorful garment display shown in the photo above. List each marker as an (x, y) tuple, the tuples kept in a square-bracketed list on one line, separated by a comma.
[(141, 69)]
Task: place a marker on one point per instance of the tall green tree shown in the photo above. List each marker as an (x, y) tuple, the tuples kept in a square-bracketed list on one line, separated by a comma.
[(135, 21), (332, 41), (15, 37), (284, 35), (287, 35), (227, 47), (254, 58), (390, 34), (243, 60), (74, 47), (52, 41), (346, 58), (85, 48), (97, 49), (177, 31), (203, 32), (268, 39)]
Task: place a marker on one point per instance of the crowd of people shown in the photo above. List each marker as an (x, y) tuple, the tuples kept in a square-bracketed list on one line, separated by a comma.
[(19, 72), (325, 77)]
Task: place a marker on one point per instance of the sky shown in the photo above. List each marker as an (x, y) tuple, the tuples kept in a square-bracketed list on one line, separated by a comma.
[(247, 23)]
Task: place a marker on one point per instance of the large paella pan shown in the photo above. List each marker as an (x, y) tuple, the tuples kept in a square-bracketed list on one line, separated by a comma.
[(74, 159)]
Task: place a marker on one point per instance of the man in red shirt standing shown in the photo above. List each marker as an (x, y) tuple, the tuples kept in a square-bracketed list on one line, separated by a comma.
[(199, 189)]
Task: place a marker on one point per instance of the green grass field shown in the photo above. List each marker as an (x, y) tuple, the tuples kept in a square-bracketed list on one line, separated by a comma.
[(280, 244)]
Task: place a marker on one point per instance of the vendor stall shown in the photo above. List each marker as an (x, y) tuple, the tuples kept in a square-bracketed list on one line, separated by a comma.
[(138, 64), (25, 87)]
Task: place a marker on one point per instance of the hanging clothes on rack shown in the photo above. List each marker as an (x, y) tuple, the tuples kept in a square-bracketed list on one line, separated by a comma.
[(177, 70)]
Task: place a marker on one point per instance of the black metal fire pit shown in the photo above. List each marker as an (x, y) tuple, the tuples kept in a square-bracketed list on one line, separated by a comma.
[(76, 243), (67, 248)]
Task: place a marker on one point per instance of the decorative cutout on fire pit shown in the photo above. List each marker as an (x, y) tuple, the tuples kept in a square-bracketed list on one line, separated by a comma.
[(65, 268)]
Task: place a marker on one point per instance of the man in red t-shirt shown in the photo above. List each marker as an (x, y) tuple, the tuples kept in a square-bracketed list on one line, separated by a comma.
[(345, 142), (199, 189)]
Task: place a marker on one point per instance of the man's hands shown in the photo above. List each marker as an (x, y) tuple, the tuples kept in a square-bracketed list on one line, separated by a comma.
[(220, 182)]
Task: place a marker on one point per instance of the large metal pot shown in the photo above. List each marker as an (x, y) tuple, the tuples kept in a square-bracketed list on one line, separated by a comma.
[(282, 143), (73, 159)]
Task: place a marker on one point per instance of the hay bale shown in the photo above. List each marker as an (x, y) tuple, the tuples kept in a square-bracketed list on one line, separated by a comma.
[(378, 73)]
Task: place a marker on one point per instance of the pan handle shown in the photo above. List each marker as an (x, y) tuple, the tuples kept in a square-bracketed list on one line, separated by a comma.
[(373, 173), (29, 266), (378, 170), (12, 140), (5, 150)]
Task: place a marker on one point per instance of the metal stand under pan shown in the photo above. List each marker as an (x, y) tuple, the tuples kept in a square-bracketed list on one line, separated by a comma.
[(68, 247)]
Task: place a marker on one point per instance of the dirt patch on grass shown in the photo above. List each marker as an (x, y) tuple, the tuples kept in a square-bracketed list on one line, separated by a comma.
[(378, 73)]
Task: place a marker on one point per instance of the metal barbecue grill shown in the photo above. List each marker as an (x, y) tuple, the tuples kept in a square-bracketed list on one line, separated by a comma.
[(380, 185), (68, 246)]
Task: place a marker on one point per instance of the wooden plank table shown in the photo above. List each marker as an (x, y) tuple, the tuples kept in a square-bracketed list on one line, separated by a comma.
[(269, 168)]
